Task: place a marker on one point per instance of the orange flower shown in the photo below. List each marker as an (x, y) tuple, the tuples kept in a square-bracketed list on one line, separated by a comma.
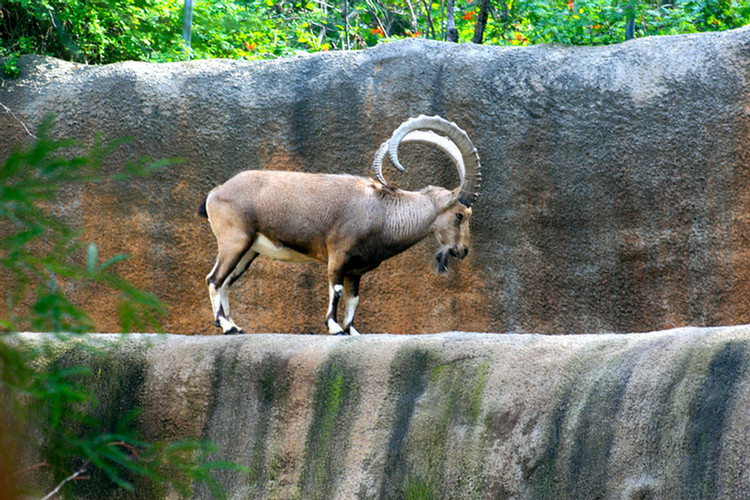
[(413, 35), (377, 31), (570, 5), (468, 15), (250, 46)]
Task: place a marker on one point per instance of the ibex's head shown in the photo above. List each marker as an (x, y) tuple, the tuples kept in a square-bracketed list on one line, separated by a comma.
[(451, 227)]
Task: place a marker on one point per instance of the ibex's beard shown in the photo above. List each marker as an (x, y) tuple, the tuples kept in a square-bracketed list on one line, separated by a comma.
[(441, 261), (441, 258)]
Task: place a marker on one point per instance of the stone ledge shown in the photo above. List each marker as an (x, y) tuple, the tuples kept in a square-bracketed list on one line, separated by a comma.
[(451, 415)]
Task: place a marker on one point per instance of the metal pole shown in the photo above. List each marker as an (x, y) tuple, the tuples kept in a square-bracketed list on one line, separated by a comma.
[(187, 26)]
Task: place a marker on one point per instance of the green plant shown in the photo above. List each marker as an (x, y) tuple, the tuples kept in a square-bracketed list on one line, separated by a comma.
[(105, 31), (41, 252), (48, 410), (9, 66)]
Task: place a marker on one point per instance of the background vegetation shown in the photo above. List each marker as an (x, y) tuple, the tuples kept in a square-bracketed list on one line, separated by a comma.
[(105, 31), (51, 422)]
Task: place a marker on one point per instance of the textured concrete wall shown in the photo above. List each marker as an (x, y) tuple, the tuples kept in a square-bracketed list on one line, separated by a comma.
[(616, 178), (456, 415)]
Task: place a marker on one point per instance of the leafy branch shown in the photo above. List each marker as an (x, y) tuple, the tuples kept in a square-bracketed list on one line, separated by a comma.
[(47, 407), (39, 249)]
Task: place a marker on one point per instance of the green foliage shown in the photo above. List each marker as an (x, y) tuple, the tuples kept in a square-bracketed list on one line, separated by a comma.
[(77, 443), (95, 31), (40, 251), (9, 66), (591, 22), (47, 410), (105, 31)]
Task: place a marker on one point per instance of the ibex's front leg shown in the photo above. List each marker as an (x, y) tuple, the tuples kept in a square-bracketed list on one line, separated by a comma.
[(351, 300), (335, 290), (334, 294)]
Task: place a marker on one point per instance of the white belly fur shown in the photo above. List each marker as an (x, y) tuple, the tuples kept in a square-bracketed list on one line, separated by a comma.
[(266, 247)]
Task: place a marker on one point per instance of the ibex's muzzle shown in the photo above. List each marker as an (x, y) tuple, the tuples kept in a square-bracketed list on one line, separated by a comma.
[(459, 252)]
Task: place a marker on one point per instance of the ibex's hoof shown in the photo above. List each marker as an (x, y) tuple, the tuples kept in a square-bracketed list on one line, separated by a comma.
[(334, 328), (352, 331), (233, 331)]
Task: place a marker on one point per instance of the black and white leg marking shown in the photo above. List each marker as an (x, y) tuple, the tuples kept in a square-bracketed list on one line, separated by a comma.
[(335, 290), (220, 294), (334, 294), (351, 300)]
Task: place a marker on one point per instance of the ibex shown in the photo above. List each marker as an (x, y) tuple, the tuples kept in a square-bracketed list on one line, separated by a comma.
[(350, 223)]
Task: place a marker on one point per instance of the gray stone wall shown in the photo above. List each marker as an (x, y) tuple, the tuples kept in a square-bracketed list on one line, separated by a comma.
[(615, 195)]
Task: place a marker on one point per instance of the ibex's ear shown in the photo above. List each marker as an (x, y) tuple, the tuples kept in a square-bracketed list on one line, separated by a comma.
[(443, 198), (453, 197)]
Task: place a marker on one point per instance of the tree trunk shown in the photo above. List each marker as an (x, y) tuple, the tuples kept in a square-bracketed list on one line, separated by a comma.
[(484, 8), (430, 27), (630, 29), (630, 24), (187, 25), (345, 15), (451, 33)]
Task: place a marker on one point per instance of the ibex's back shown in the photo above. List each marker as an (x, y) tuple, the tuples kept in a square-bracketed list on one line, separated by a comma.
[(296, 209), (350, 223)]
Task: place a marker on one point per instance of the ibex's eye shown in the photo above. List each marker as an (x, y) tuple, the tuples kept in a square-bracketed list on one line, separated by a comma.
[(459, 216)]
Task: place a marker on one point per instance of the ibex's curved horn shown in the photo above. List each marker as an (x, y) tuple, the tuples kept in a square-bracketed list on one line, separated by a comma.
[(457, 145), (377, 162)]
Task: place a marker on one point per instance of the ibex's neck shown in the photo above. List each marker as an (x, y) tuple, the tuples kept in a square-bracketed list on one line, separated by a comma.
[(410, 215)]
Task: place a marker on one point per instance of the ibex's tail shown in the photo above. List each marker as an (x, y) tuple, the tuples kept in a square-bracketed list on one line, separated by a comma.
[(202, 209)]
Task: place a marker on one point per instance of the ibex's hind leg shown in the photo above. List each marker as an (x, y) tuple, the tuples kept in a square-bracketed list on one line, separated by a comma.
[(232, 261), (351, 300)]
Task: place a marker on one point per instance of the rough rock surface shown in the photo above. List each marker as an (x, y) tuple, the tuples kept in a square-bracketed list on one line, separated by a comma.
[(449, 416), (617, 179)]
